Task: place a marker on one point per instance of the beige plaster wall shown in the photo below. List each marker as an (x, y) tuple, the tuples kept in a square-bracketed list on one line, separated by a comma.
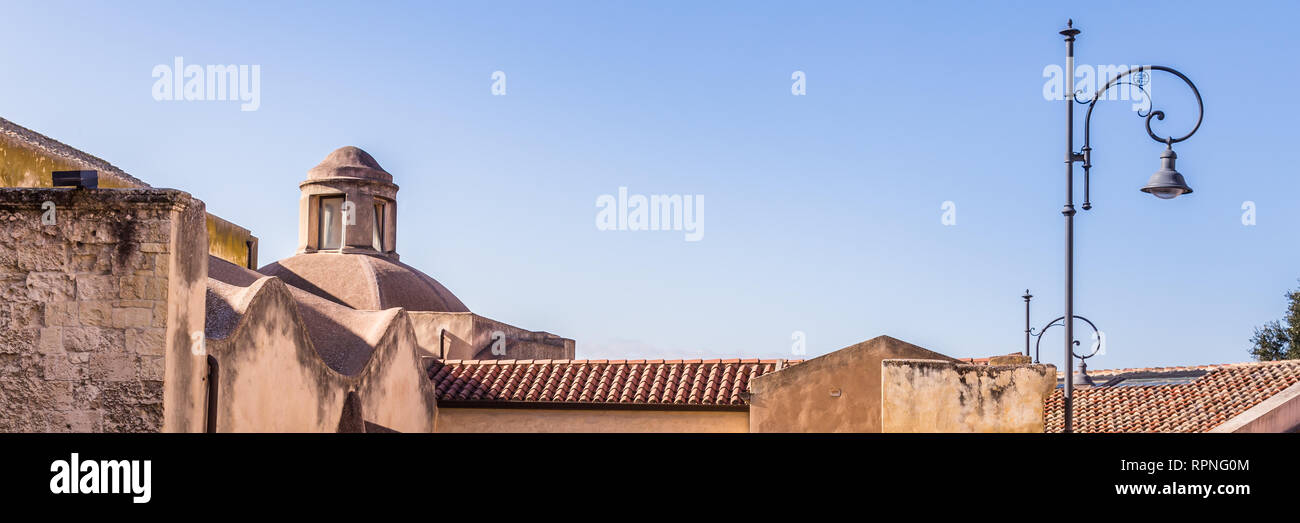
[(429, 326), (521, 344), (271, 379), (185, 381), (836, 392), (588, 420), (395, 389), (98, 310), (942, 396), (476, 333)]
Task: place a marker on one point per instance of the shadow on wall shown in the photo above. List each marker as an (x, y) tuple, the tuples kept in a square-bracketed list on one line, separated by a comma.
[(276, 375)]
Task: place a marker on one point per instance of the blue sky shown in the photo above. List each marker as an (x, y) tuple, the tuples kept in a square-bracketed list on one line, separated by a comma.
[(823, 211)]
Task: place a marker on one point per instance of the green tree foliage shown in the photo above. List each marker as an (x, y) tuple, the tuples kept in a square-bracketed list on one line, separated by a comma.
[(1279, 340)]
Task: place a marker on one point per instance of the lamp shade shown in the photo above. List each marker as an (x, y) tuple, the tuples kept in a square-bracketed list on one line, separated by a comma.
[(1167, 183), (1081, 378)]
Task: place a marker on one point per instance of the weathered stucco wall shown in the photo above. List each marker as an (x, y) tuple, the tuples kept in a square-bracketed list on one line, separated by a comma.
[(459, 419), (942, 396), (476, 331), (272, 379), (430, 325), (837, 392), (99, 309), (27, 158), (185, 382), (521, 344)]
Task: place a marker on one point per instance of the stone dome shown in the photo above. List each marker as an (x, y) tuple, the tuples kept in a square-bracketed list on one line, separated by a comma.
[(365, 282), (349, 162)]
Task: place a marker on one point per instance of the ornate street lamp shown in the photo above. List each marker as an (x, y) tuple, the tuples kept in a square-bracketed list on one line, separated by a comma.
[(1081, 378), (1165, 184)]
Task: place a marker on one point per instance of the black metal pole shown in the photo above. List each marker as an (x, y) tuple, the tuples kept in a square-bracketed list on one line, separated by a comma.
[(1027, 296), (1068, 211)]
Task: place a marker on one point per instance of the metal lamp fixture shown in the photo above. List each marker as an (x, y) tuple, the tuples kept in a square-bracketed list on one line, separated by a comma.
[(1165, 184), (1081, 378)]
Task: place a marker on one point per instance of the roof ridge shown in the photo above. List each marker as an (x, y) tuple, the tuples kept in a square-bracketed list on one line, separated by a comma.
[(735, 361), (1178, 368)]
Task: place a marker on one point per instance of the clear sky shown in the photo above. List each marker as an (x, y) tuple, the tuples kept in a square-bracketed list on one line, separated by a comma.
[(823, 211)]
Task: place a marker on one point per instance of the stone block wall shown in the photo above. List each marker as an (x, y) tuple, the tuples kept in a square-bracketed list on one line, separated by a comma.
[(100, 292)]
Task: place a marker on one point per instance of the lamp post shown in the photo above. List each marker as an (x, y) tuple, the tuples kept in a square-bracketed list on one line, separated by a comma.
[(1027, 297), (1165, 184)]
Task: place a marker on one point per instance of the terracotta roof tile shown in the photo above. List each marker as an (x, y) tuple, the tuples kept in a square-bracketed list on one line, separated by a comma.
[(664, 382), (1224, 392)]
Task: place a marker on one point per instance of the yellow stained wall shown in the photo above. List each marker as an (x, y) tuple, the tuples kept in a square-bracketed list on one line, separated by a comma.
[(452, 419), (22, 165), (232, 243)]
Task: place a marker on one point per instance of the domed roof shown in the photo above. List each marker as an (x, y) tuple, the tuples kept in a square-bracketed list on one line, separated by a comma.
[(365, 282), (349, 162)]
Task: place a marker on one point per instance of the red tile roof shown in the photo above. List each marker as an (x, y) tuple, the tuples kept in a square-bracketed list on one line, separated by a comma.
[(668, 383), (1224, 392)]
